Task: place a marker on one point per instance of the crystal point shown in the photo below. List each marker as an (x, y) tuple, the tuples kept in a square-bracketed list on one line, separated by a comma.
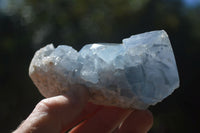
[(135, 74)]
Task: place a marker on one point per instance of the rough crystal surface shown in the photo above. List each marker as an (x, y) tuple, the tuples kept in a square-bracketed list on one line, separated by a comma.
[(135, 74)]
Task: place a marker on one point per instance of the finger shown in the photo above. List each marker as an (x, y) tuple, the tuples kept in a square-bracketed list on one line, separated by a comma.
[(89, 111), (139, 121), (53, 114), (104, 121)]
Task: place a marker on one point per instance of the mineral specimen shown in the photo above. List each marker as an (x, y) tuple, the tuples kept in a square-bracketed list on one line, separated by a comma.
[(135, 74)]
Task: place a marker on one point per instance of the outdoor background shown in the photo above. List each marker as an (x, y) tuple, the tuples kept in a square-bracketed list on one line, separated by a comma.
[(27, 25)]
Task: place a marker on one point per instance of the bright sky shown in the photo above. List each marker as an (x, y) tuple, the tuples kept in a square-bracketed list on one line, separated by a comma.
[(191, 2), (3, 3)]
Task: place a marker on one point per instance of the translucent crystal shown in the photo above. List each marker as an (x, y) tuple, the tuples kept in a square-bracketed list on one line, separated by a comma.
[(135, 74)]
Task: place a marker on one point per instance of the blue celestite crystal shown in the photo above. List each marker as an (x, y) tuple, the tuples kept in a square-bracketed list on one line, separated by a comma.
[(135, 74)]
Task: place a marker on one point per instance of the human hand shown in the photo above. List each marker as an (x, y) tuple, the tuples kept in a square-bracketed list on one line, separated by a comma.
[(73, 112)]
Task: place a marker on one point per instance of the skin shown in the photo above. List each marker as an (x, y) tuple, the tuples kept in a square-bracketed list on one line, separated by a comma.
[(72, 112)]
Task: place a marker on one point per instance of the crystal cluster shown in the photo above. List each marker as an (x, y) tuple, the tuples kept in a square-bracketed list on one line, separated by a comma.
[(135, 74)]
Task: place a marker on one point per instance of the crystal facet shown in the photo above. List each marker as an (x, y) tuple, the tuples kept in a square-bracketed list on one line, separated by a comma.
[(135, 74)]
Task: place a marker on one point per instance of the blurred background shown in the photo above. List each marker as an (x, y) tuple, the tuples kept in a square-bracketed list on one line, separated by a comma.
[(27, 25)]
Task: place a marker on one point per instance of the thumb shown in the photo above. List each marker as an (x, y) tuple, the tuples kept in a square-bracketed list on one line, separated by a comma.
[(53, 115)]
